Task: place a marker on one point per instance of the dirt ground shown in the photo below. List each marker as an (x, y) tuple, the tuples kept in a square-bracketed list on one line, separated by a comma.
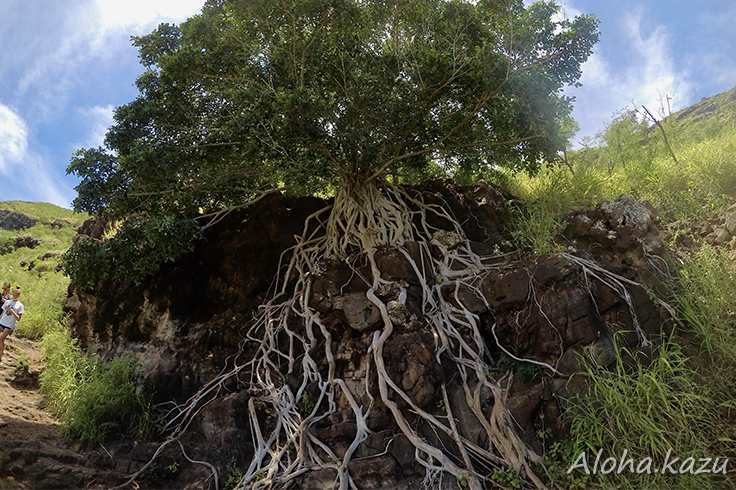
[(22, 414), (32, 454)]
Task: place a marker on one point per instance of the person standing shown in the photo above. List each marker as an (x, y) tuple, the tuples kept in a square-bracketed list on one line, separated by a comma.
[(5, 295), (12, 311)]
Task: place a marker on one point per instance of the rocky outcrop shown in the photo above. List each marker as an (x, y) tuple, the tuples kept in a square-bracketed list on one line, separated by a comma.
[(623, 235), (719, 231), (27, 241), (186, 322), (14, 221)]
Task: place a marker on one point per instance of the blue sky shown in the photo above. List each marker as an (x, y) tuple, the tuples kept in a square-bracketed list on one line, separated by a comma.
[(65, 65)]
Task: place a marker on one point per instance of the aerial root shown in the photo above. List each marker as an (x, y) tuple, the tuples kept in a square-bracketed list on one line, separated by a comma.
[(293, 377)]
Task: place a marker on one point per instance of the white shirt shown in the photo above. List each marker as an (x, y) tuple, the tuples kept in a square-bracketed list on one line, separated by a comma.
[(7, 319)]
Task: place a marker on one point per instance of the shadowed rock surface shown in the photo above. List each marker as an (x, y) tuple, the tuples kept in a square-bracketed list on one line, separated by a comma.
[(14, 221)]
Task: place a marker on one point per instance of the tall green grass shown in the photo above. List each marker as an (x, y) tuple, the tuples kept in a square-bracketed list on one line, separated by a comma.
[(547, 196), (648, 408), (95, 400), (706, 298), (43, 286), (700, 184)]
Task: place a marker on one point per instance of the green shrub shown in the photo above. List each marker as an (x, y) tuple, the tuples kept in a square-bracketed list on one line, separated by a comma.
[(7, 245), (136, 251), (86, 263), (95, 400)]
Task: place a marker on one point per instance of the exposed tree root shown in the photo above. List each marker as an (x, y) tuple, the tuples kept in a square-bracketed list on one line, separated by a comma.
[(294, 346)]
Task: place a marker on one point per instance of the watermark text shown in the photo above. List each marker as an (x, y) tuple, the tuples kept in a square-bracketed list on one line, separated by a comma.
[(672, 465)]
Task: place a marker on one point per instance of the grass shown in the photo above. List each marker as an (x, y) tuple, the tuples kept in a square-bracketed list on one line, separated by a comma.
[(706, 298), (43, 286), (95, 400), (548, 196), (702, 182), (649, 408)]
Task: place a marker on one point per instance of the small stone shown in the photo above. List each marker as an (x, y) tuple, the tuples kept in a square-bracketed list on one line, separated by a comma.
[(397, 312), (722, 236), (361, 314), (731, 223), (447, 239)]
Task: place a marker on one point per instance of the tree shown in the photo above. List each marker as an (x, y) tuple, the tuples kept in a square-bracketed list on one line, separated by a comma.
[(251, 96), (624, 138)]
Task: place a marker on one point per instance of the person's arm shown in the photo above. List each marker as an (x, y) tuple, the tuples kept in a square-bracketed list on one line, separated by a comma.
[(16, 315)]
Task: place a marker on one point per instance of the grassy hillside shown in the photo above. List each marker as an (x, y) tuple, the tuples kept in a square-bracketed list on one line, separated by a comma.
[(36, 270), (683, 397), (631, 156)]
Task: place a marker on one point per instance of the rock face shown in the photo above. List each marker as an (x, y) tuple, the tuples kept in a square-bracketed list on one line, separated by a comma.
[(719, 231), (187, 321), (14, 221), (623, 235)]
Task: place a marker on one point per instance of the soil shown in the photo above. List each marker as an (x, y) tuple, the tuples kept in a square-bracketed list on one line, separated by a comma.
[(31, 448), (22, 413)]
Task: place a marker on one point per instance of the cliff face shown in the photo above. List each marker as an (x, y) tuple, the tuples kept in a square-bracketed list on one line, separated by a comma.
[(186, 324)]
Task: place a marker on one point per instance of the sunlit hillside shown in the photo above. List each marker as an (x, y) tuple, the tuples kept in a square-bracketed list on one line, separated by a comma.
[(29, 257)]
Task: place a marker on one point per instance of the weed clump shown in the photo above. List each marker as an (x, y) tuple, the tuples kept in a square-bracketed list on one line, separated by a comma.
[(96, 400)]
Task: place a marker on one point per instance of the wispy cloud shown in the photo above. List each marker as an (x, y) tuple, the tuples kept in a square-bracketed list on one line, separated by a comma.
[(653, 73), (639, 70), (35, 180), (13, 138), (58, 83), (114, 14), (25, 173), (86, 33), (99, 120)]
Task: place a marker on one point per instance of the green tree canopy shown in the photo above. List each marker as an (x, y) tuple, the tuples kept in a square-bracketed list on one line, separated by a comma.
[(260, 94)]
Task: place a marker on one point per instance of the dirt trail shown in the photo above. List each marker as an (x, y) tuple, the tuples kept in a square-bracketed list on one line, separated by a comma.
[(22, 417), (32, 453)]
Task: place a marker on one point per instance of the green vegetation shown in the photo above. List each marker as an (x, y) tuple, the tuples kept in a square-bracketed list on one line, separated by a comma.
[(681, 396), (95, 400), (234, 475), (43, 286), (136, 250), (646, 407), (630, 157)]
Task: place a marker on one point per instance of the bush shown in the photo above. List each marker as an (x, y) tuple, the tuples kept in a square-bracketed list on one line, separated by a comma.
[(95, 400), (135, 252), (7, 245), (86, 263)]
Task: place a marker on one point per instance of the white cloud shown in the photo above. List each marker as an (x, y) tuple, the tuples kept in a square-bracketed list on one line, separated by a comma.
[(641, 71), (13, 138), (34, 174), (100, 119), (141, 13), (567, 11), (24, 171), (88, 33), (653, 74)]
